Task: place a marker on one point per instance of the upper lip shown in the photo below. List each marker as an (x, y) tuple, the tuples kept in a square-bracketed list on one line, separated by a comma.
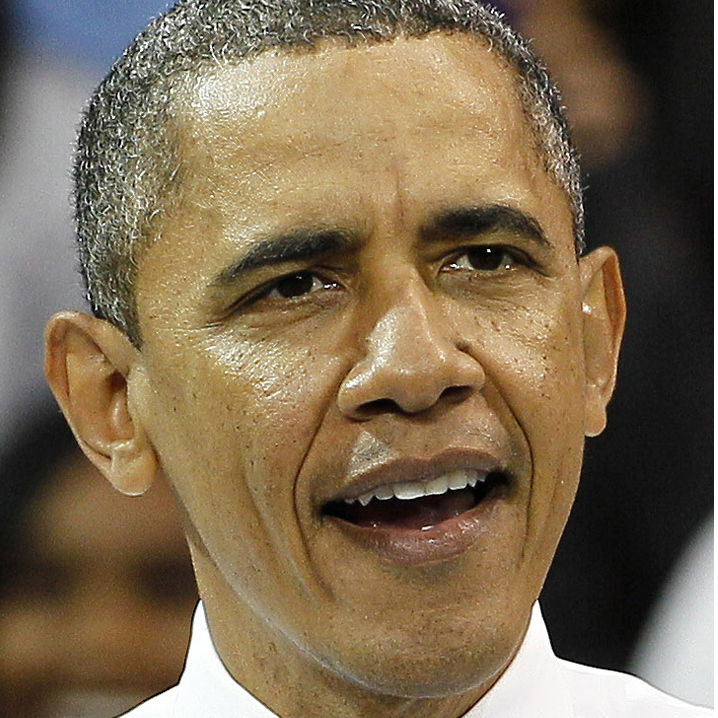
[(416, 469)]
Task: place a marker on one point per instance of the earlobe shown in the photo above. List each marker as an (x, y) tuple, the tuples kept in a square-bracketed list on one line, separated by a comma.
[(604, 315), (89, 365), (133, 466)]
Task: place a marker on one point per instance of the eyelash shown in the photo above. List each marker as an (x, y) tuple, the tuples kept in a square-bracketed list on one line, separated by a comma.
[(499, 256), (288, 278), (265, 291)]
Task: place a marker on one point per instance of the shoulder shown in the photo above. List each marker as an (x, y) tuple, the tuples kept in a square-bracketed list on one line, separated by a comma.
[(160, 706), (597, 693)]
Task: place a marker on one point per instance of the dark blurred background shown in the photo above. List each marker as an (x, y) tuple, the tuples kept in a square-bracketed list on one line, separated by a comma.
[(637, 78)]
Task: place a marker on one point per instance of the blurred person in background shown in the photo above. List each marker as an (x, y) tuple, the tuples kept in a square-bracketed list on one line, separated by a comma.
[(95, 595), (96, 589)]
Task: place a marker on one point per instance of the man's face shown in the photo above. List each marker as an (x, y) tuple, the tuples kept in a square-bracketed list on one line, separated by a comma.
[(369, 280)]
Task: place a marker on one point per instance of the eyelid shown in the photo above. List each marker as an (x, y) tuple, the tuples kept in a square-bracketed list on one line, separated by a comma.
[(517, 254), (264, 288), (275, 284)]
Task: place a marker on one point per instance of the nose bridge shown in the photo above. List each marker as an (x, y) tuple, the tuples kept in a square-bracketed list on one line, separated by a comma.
[(408, 332), (412, 354)]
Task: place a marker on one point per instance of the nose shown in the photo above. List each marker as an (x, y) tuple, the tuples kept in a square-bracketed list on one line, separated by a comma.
[(413, 359)]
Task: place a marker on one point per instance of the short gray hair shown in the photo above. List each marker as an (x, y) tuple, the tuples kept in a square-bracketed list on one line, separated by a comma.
[(127, 161)]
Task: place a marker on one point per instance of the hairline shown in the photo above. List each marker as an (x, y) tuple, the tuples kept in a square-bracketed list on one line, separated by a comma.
[(536, 95)]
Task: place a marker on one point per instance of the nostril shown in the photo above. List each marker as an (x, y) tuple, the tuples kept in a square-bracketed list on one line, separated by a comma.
[(456, 394), (451, 394), (377, 407)]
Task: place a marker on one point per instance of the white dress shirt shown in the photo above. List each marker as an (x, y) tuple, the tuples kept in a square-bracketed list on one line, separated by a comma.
[(536, 684)]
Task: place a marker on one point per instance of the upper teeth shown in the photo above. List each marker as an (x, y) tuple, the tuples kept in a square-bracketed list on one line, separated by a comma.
[(454, 480)]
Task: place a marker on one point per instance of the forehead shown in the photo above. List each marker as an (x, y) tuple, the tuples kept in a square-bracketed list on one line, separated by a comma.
[(407, 93), (351, 136), (441, 73)]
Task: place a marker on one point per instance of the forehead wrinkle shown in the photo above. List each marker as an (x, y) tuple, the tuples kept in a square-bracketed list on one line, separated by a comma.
[(274, 160), (399, 201)]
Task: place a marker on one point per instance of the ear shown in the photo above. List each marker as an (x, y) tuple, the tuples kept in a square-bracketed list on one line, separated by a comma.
[(604, 316), (89, 364)]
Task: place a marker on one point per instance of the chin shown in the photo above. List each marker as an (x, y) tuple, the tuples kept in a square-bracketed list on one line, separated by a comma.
[(426, 669)]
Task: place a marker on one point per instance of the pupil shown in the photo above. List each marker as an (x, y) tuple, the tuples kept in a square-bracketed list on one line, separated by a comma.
[(487, 258), (296, 285)]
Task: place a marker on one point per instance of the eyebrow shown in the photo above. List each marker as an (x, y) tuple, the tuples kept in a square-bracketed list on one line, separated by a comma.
[(299, 246), (308, 245), (484, 219)]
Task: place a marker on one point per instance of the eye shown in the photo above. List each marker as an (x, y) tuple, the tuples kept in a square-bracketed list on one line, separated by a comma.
[(297, 285), (485, 259), (283, 291)]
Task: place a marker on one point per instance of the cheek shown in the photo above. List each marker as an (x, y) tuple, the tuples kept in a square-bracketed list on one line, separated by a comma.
[(535, 364), (233, 423), (534, 356), (224, 389)]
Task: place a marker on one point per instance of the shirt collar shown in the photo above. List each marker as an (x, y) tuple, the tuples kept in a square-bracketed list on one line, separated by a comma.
[(532, 685), (206, 686)]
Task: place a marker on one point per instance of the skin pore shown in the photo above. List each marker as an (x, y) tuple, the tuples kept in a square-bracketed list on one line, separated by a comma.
[(368, 277)]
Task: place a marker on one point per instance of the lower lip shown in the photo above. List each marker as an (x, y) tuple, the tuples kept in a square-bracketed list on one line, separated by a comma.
[(442, 542)]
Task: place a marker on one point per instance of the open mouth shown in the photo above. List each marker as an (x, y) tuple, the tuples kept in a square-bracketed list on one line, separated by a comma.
[(418, 505)]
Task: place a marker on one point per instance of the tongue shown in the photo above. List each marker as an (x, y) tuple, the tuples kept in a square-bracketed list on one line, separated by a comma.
[(412, 514)]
